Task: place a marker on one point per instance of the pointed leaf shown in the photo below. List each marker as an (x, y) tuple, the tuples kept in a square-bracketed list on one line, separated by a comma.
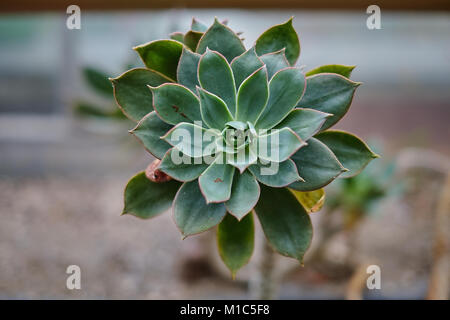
[(181, 167), (244, 194), (215, 76), (304, 122), (187, 69), (330, 93), (191, 39), (193, 140), (198, 26), (242, 158), (279, 37), (352, 152), (317, 164), (191, 213), (275, 61), (149, 131), (285, 90), (161, 56), (222, 39), (244, 65), (146, 199), (276, 174), (174, 103), (312, 201), (235, 241), (345, 71), (132, 94), (98, 80), (215, 182), (178, 36), (252, 96), (278, 145), (285, 222), (214, 111)]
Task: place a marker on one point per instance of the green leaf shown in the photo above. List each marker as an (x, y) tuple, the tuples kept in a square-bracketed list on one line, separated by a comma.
[(275, 61), (198, 26), (178, 36), (175, 103), (191, 39), (86, 109), (243, 158), (285, 222), (276, 174), (304, 122), (149, 130), (161, 56), (215, 182), (352, 152), (279, 37), (285, 90), (244, 194), (252, 96), (132, 94), (215, 76), (98, 80), (317, 164), (191, 213), (235, 241), (244, 65), (278, 145), (312, 201), (330, 93), (187, 69), (193, 140), (214, 111), (222, 39), (345, 71), (181, 167), (146, 199)]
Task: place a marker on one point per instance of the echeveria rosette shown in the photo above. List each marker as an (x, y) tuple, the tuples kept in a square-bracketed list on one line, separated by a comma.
[(205, 84)]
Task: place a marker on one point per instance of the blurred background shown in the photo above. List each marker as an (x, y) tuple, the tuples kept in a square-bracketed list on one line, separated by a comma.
[(65, 154)]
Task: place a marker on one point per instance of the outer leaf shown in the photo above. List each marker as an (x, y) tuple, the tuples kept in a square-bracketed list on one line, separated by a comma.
[(178, 36), (285, 90), (215, 182), (149, 130), (252, 96), (191, 213), (244, 65), (181, 167), (279, 145), (191, 39), (285, 222), (331, 93), (317, 165), (98, 80), (275, 61), (279, 37), (161, 56), (222, 39), (304, 122), (312, 201), (146, 199), (174, 103), (345, 71), (276, 174), (191, 139), (214, 111), (351, 151), (132, 94), (215, 76), (198, 26), (235, 240), (187, 69), (244, 194)]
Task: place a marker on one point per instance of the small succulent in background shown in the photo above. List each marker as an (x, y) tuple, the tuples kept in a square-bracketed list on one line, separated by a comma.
[(206, 84)]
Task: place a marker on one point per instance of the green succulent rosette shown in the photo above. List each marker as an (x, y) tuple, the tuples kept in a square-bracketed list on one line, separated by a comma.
[(241, 133)]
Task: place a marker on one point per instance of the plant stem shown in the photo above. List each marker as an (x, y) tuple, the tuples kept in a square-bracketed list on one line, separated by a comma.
[(263, 285)]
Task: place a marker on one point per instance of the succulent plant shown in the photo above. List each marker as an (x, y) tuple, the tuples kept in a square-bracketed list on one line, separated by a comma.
[(237, 132)]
